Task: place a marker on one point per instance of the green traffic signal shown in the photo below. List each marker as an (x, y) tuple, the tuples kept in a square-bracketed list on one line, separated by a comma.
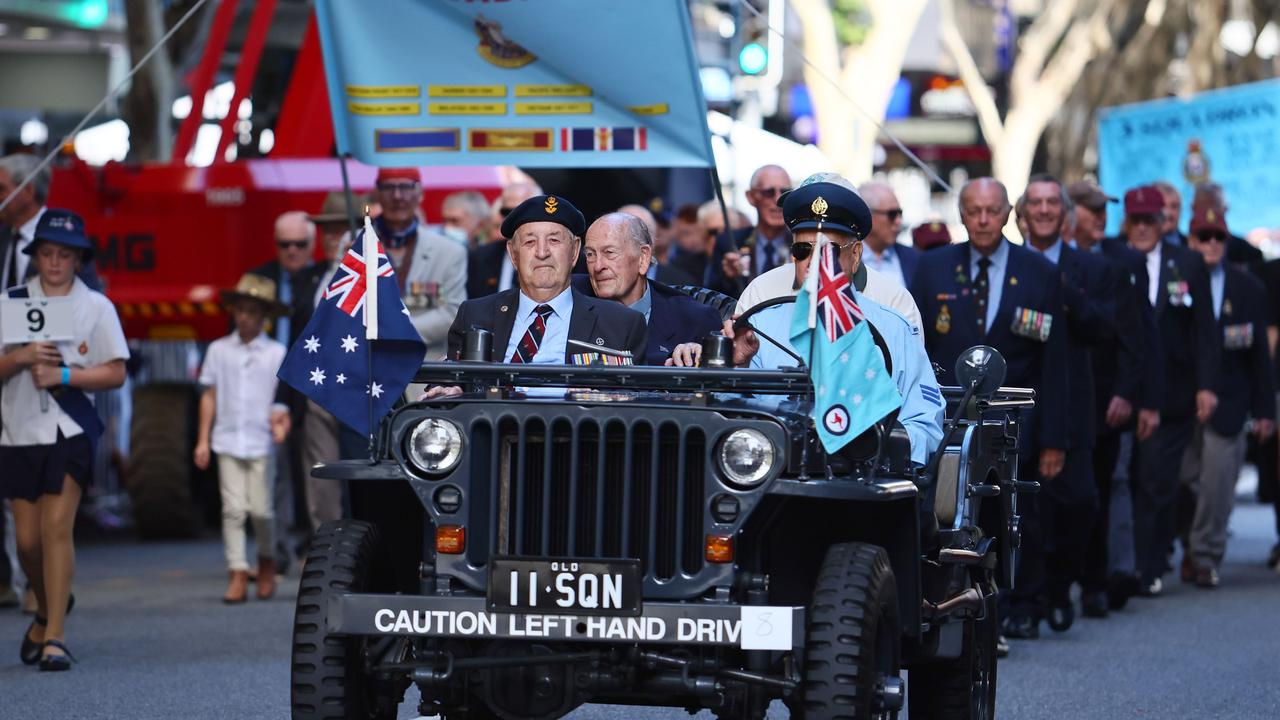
[(753, 59)]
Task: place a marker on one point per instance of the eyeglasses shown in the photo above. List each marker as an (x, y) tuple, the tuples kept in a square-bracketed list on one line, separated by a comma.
[(771, 192), (891, 214), (394, 189), (1212, 237), (291, 244), (801, 250), (1144, 219)]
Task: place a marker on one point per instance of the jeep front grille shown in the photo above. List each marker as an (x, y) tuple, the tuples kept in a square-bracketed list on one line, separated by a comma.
[(587, 488)]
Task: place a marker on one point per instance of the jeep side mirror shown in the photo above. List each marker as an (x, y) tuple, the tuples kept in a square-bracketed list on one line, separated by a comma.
[(981, 367)]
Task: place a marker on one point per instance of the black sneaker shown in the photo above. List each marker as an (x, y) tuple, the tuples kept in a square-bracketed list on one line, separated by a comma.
[(1002, 646), (1151, 588), (1273, 559), (1062, 614), (1094, 604), (1021, 627), (1121, 587)]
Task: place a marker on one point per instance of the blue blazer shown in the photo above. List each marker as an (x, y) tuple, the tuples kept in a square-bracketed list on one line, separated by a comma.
[(943, 291), (909, 259), (1089, 294), (1188, 333), (1245, 386), (674, 318), (1129, 367)]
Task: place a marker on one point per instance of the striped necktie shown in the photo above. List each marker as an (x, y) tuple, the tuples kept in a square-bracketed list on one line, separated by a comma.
[(528, 345)]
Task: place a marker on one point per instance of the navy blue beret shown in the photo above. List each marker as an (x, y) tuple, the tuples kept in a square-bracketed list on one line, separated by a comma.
[(545, 208), (826, 206)]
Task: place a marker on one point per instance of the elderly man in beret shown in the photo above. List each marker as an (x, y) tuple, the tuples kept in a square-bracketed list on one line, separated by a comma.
[(535, 321)]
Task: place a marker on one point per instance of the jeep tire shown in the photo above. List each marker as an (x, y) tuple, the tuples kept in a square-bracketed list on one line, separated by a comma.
[(158, 476), (852, 638), (962, 688), (328, 679)]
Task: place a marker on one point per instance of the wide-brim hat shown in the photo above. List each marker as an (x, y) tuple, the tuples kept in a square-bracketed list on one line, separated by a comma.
[(62, 227), (258, 288), (334, 210)]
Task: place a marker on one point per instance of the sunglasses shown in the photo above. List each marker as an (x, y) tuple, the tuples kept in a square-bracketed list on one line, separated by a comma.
[(801, 250), (1212, 237), (291, 244), (891, 214), (771, 192), (394, 189), (1144, 219)]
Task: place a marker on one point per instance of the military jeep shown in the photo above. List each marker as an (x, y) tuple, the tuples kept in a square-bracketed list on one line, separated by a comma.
[(560, 535)]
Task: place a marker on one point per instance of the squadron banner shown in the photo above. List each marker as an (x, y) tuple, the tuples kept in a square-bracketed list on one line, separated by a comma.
[(458, 82)]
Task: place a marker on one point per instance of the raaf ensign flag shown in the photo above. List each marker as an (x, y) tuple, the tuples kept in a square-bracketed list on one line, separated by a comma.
[(852, 389), (330, 363)]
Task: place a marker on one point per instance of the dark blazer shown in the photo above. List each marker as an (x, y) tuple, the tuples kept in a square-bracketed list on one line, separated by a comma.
[(943, 291), (1246, 386), (598, 322), (909, 259), (1127, 366), (1089, 294), (304, 286), (484, 269), (1188, 335), (1245, 256), (672, 275), (674, 318)]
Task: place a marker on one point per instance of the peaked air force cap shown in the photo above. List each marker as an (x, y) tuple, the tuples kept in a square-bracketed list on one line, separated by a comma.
[(826, 201), (545, 208), (62, 227)]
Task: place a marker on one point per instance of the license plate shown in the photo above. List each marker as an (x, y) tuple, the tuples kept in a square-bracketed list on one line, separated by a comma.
[(564, 586)]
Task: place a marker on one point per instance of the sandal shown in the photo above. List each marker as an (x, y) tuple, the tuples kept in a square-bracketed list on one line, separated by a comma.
[(30, 650), (56, 663)]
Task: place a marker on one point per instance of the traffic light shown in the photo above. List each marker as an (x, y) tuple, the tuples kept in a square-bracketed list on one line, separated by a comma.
[(753, 59)]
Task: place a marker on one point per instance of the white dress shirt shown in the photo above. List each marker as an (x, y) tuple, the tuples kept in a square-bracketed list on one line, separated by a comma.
[(243, 376), (97, 339), (556, 335), (1153, 274), (26, 234)]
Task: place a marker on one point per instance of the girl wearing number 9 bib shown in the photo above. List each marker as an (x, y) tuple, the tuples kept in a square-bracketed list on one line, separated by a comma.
[(48, 425)]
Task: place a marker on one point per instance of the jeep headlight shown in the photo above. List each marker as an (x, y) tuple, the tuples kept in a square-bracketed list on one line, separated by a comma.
[(746, 457), (435, 446)]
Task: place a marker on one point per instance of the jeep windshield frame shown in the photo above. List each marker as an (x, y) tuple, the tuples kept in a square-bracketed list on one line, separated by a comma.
[(478, 376)]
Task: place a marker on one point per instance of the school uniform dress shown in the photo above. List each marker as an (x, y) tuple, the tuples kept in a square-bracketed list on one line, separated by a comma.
[(39, 447), (243, 376)]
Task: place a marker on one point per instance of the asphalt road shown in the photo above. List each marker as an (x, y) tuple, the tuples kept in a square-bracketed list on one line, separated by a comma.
[(155, 642)]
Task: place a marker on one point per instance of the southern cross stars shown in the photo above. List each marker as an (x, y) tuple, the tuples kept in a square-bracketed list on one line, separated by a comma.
[(317, 376), (312, 344), (375, 391), (349, 344), (342, 379)]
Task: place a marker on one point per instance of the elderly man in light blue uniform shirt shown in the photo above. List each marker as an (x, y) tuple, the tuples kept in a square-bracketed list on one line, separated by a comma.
[(922, 405)]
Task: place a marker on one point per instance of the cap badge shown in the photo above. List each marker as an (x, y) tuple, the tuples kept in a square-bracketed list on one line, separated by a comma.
[(935, 227), (819, 206), (1210, 215), (552, 205), (84, 346)]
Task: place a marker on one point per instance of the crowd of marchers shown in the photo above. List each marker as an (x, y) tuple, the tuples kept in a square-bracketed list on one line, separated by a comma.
[(1152, 353)]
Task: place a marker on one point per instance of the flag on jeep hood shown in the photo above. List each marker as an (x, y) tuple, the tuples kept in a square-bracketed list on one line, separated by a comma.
[(330, 361), (852, 389)]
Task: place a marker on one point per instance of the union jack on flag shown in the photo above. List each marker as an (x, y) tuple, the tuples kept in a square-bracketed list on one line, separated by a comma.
[(840, 312), (350, 283)]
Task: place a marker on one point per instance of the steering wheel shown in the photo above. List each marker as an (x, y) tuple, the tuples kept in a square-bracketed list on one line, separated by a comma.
[(743, 321)]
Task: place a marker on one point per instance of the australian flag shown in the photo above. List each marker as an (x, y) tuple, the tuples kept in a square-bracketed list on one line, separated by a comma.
[(330, 363), (852, 388)]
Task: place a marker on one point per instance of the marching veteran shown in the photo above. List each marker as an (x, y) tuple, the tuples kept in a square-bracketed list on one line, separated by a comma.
[(534, 322), (832, 208)]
